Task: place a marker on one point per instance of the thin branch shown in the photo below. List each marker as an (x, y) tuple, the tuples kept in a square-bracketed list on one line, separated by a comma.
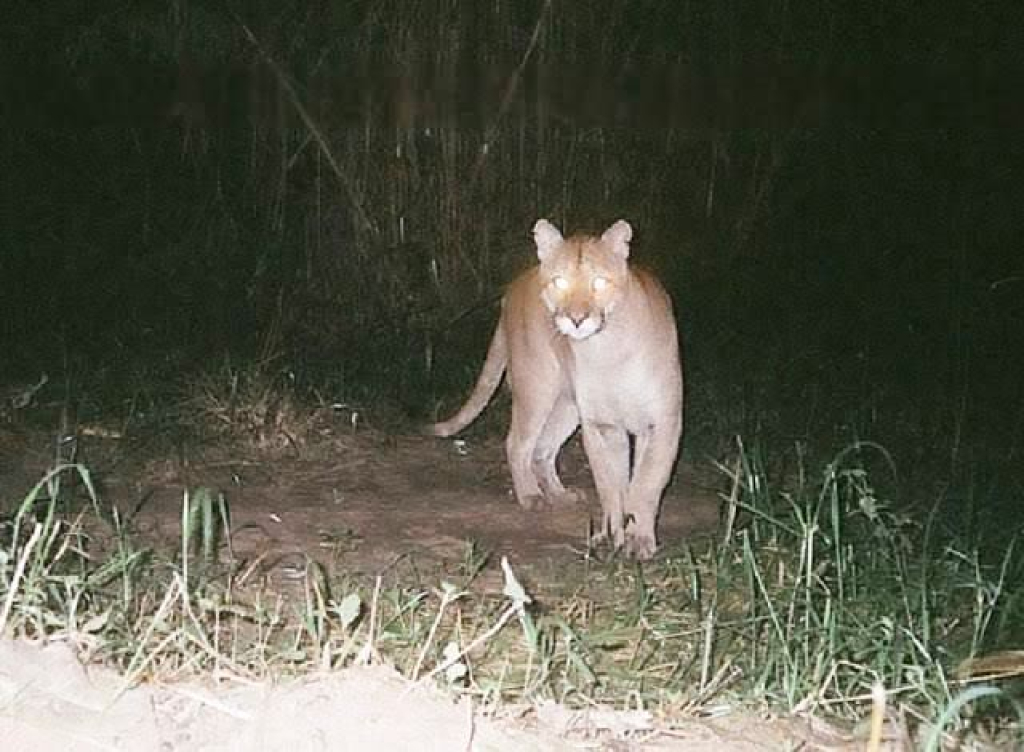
[(506, 99), (307, 119)]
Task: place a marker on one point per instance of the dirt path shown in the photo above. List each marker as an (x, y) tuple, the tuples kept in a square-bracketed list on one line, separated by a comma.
[(366, 501)]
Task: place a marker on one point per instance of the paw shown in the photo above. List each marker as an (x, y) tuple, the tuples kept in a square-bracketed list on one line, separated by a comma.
[(640, 546), (612, 537)]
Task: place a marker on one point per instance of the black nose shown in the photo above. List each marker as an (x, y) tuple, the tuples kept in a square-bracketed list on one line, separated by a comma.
[(577, 318)]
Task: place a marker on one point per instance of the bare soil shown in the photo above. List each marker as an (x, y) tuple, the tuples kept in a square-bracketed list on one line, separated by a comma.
[(365, 501), (50, 703)]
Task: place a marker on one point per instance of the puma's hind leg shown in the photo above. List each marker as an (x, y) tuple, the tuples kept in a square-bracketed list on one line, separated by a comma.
[(562, 421), (530, 414)]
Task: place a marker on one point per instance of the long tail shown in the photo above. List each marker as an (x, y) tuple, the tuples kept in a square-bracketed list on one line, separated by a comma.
[(486, 384)]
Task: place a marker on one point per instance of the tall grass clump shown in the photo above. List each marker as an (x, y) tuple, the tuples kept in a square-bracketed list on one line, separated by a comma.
[(836, 592), (46, 581)]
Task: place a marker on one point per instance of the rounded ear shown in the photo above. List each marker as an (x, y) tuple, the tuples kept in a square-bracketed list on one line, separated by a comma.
[(618, 237), (547, 237)]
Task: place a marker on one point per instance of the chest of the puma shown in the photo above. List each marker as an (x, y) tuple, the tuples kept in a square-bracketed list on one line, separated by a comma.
[(629, 387)]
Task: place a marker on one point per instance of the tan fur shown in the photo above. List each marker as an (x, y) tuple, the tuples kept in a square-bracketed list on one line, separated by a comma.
[(586, 339)]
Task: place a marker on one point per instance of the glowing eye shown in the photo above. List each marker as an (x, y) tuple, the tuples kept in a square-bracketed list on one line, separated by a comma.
[(560, 283), (599, 283)]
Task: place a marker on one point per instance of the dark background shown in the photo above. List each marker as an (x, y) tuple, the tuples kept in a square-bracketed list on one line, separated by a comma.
[(336, 191)]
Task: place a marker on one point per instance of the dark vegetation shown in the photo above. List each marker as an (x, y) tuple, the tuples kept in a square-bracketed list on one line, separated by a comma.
[(335, 193), (341, 189)]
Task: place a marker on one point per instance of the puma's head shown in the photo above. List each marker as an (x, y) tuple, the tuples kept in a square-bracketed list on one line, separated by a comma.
[(583, 277)]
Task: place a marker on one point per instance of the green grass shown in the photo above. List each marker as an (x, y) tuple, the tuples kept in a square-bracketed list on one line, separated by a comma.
[(815, 592)]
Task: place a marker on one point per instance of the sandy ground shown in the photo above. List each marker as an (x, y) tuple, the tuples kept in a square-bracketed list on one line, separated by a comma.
[(48, 701)]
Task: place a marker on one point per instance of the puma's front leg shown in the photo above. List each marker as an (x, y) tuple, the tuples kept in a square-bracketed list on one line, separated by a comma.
[(607, 448), (656, 451)]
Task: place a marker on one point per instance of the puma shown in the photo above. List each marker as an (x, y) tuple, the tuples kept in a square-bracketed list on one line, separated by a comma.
[(587, 340)]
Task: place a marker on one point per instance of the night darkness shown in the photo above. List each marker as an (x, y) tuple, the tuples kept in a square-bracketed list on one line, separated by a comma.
[(830, 191)]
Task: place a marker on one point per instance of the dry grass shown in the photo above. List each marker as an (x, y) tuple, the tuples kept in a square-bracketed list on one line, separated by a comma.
[(814, 599)]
